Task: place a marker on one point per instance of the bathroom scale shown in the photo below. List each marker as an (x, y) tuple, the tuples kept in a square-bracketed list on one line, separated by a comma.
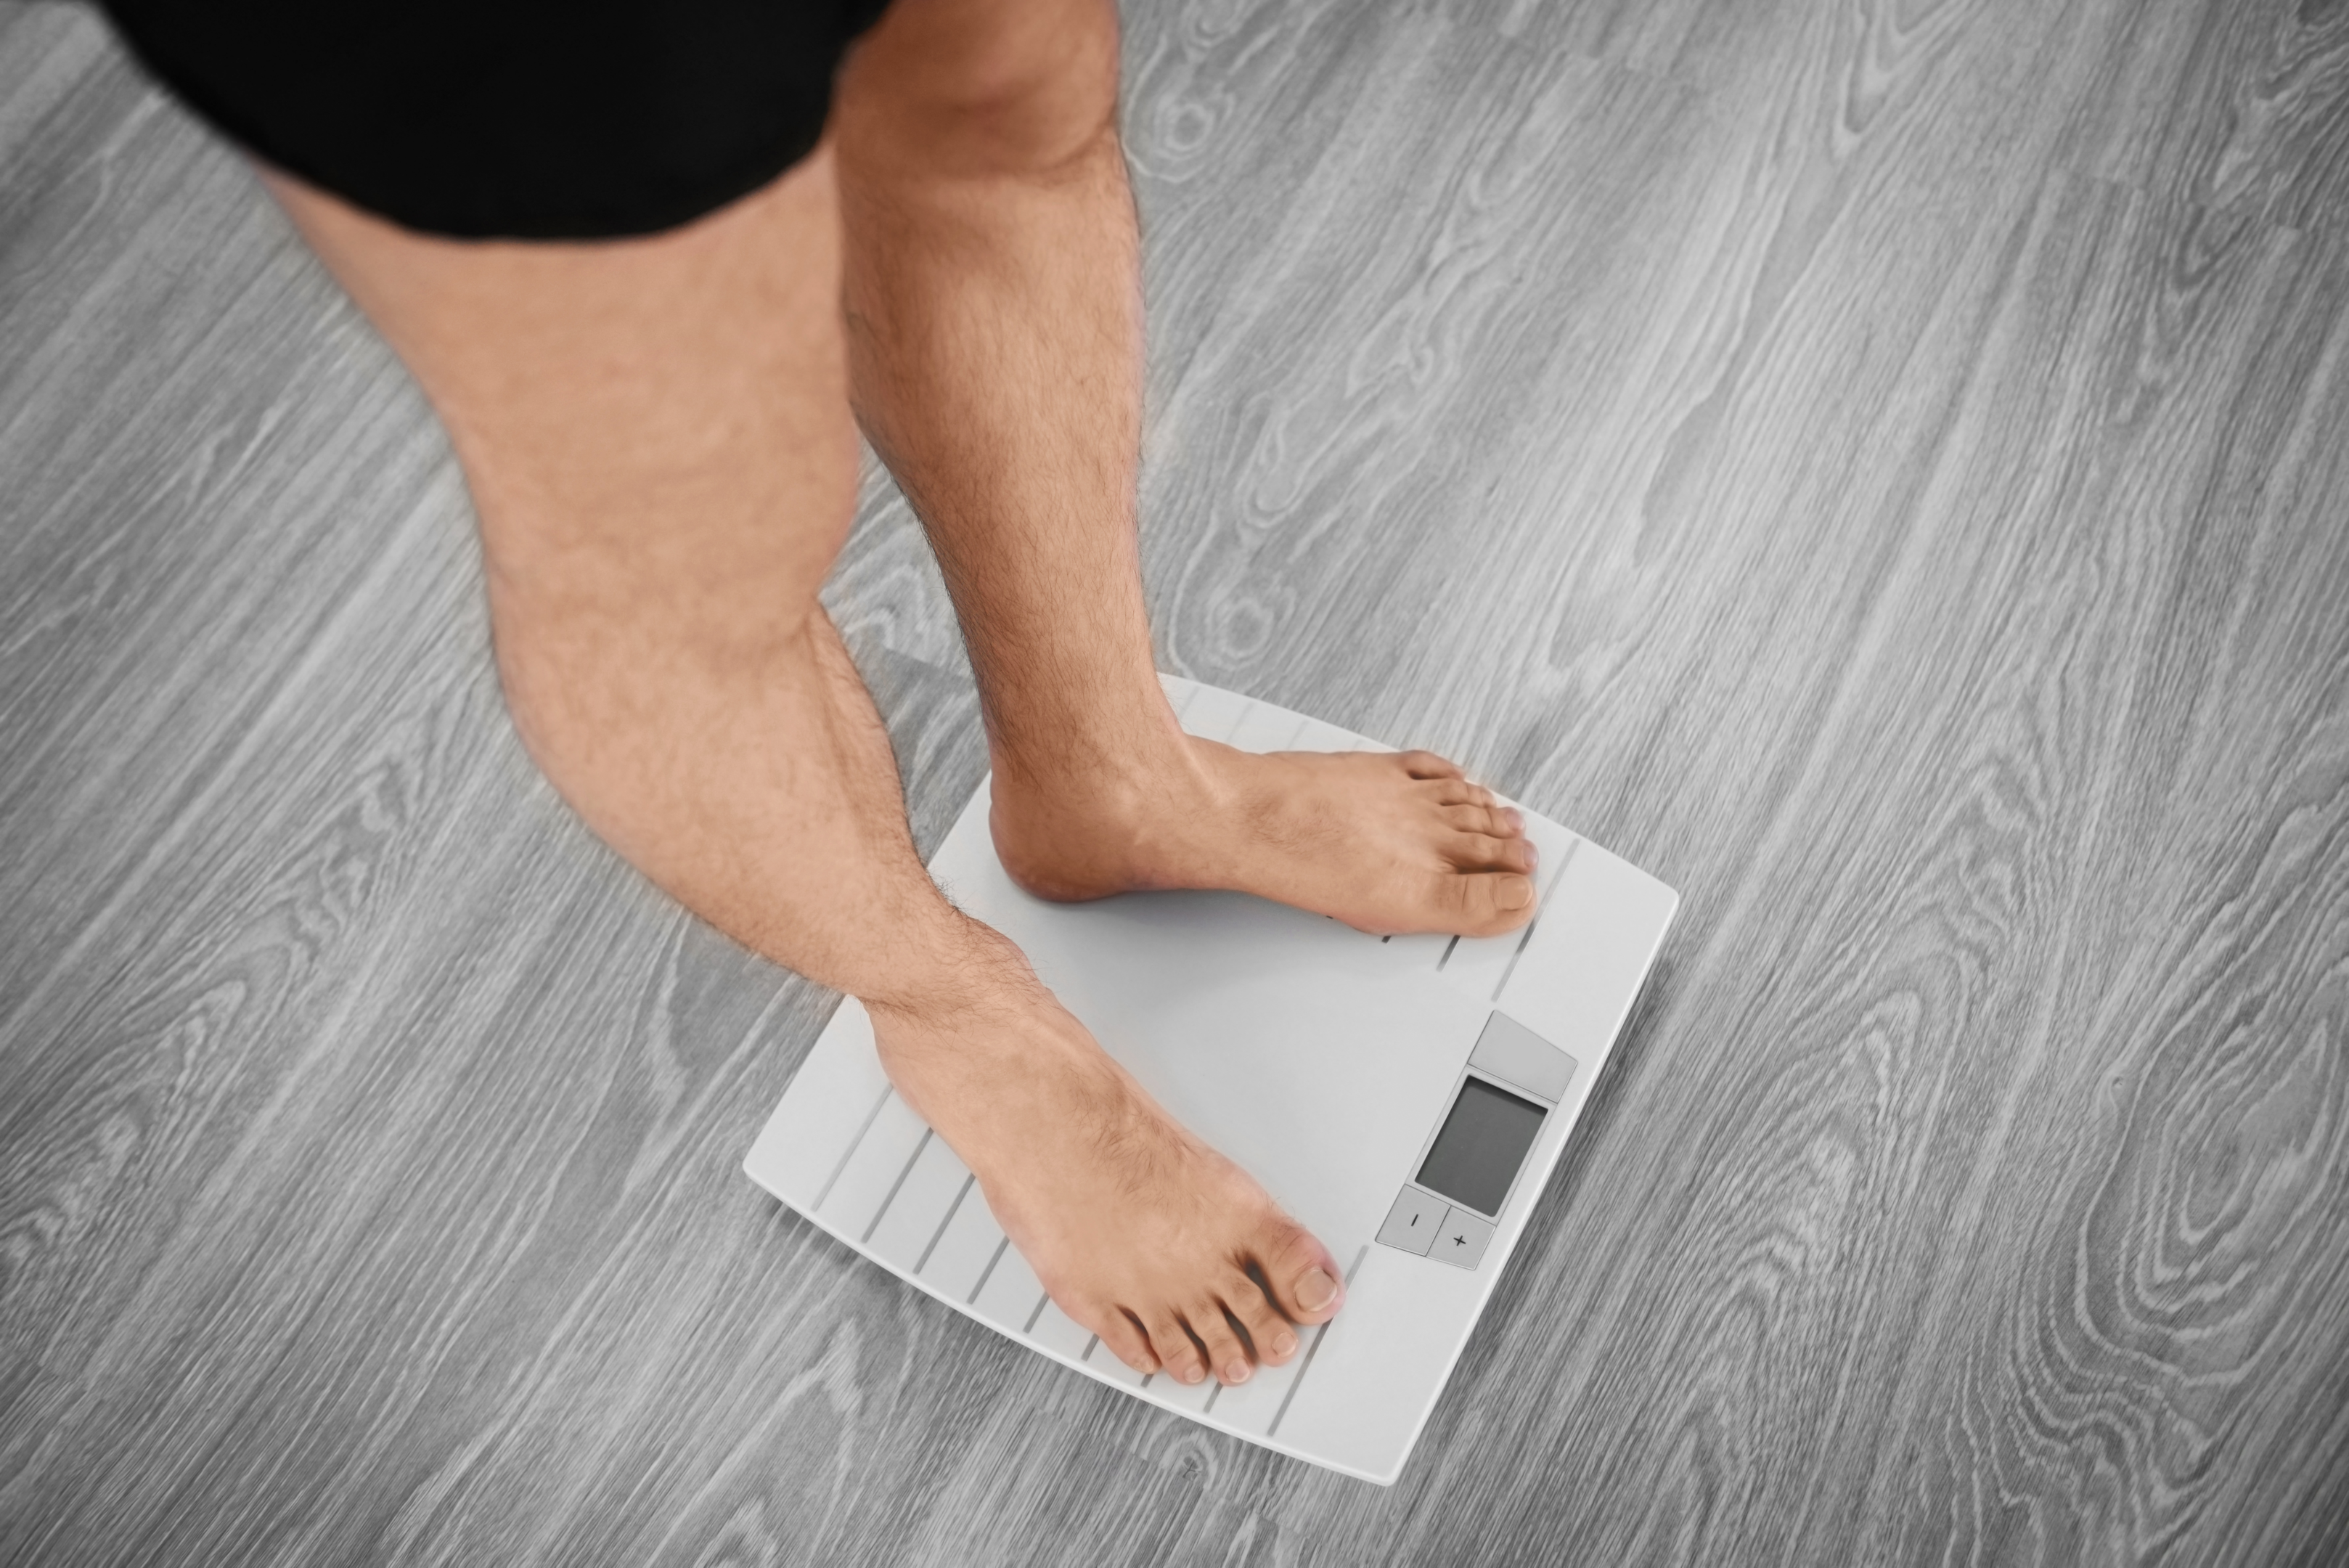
[(1406, 1099)]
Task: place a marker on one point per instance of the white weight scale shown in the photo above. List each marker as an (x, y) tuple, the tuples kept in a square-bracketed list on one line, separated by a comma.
[(1406, 1098)]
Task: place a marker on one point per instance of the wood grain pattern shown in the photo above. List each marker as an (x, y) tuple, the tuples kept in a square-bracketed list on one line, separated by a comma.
[(1877, 464)]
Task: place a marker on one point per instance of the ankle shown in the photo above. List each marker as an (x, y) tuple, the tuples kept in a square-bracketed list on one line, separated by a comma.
[(1085, 832), (1134, 766), (962, 968)]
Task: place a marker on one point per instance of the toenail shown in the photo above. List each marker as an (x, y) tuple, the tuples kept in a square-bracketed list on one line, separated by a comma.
[(1513, 817), (1514, 893), (1533, 855), (1316, 1291), (1237, 1372), (1283, 1342), (1192, 1374)]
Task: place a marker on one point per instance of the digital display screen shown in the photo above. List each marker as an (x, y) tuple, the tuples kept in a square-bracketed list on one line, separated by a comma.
[(1477, 1151)]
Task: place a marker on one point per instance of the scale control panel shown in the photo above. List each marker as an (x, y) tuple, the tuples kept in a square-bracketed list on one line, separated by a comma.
[(1448, 1211)]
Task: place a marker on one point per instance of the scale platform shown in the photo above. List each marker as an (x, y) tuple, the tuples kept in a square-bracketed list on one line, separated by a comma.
[(1410, 1097)]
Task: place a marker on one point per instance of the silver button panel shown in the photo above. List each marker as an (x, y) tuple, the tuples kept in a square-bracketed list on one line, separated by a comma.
[(1425, 1225)]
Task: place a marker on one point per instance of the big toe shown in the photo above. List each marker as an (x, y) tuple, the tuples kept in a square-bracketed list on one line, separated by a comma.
[(1303, 1280), (1485, 903)]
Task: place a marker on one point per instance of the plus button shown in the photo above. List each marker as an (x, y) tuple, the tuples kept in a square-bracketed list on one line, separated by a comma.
[(1468, 1234)]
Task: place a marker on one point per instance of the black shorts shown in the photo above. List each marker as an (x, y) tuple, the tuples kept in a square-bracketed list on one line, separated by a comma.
[(511, 119)]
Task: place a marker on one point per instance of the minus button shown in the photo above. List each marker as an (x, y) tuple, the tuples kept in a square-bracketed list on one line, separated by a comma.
[(1412, 1223)]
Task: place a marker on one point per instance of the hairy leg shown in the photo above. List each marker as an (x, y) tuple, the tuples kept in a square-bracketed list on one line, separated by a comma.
[(995, 313), (657, 439)]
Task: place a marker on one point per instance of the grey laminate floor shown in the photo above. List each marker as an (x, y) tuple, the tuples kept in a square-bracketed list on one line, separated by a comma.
[(1881, 464)]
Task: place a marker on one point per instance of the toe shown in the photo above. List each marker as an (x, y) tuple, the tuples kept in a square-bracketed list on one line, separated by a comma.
[(1484, 852), (1456, 792), (1428, 765), (1306, 1283), (1466, 819), (1485, 903), (1124, 1337), (1268, 1331), (1494, 821), (1176, 1353), (1226, 1354)]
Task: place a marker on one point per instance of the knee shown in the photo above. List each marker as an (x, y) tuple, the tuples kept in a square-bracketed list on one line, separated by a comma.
[(981, 87)]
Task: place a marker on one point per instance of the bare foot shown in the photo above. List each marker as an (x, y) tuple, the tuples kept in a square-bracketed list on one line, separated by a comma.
[(1142, 1232), (1164, 1248), (1386, 841)]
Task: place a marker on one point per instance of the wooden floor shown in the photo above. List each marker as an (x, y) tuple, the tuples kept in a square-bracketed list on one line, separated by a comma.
[(1881, 464)]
